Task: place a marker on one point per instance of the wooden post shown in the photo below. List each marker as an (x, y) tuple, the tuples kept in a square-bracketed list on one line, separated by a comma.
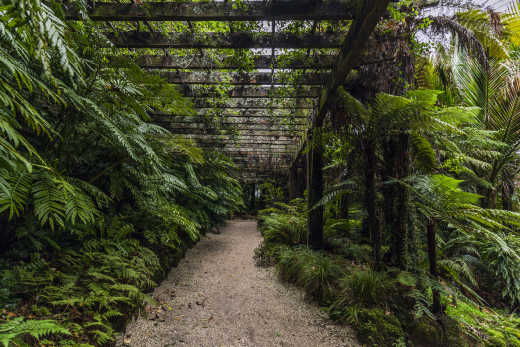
[(315, 188), (302, 180), (253, 196), (293, 182)]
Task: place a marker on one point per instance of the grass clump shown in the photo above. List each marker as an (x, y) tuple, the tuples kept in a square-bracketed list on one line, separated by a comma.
[(315, 272), (366, 287)]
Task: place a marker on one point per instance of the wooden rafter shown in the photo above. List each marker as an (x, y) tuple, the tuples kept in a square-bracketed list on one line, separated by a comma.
[(256, 103), (252, 78), (220, 11), (231, 138), (321, 62), (250, 132), (235, 115), (251, 92), (236, 40)]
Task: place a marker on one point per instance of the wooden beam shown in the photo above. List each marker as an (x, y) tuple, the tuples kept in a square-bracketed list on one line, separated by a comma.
[(256, 148), (252, 78), (247, 144), (318, 62), (256, 162), (219, 11), (200, 127), (275, 157), (245, 118), (210, 113), (257, 153), (236, 40), (232, 138), (257, 103), (234, 124), (250, 92), (351, 52), (352, 49), (190, 131)]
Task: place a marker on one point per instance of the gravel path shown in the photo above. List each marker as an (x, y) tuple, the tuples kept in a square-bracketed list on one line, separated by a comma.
[(216, 296)]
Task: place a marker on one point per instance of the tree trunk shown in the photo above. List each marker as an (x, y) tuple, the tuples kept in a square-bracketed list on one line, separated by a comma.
[(403, 208), (491, 198), (372, 221), (315, 192), (389, 192), (7, 235), (399, 229), (412, 247), (432, 257), (508, 189), (344, 206)]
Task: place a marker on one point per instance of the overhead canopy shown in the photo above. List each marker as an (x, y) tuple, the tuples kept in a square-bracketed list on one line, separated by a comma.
[(260, 118)]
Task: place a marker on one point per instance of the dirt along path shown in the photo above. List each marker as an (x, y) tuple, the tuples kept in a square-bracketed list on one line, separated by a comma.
[(217, 296)]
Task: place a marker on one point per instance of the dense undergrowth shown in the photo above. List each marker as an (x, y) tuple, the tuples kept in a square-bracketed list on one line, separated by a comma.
[(96, 202), (390, 307)]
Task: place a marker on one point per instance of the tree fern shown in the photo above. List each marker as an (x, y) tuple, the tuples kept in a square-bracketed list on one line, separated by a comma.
[(12, 330)]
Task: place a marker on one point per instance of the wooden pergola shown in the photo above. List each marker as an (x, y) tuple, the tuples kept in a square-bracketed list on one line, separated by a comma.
[(265, 116)]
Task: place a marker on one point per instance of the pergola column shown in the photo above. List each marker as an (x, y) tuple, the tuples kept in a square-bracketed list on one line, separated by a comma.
[(315, 186), (302, 180), (252, 201), (293, 182)]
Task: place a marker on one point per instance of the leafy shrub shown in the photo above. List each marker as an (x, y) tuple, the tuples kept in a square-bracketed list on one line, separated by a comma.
[(504, 267), (286, 229), (334, 228), (366, 287), (286, 223), (14, 331), (91, 286), (315, 272), (485, 325), (357, 252), (96, 200)]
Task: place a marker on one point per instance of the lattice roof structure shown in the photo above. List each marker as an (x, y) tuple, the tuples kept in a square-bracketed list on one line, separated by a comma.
[(258, 109)]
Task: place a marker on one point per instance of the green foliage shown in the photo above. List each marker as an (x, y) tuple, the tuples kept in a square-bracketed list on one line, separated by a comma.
[(376, 327), (96, 201), (483, 324), (315, 272), (13, 330), (504, 266), (284, 223), (285, 229), (268, 254), (365, 287)]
